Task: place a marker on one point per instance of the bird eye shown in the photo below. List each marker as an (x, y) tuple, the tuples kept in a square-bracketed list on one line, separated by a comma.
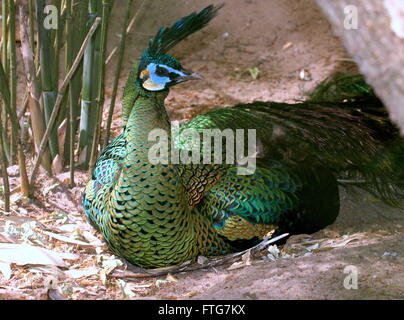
[(161, 71)]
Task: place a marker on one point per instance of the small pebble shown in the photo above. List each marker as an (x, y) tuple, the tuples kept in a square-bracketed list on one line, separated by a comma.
[(390, 254), (305, 75)]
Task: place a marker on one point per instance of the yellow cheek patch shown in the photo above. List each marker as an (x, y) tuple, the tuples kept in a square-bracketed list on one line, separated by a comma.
[(144, 74), (152, 86)]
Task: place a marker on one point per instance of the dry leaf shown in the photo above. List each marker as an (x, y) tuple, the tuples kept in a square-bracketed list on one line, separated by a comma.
[(343, 242), (254, 72), (274, 251), (236, 265), (77, 273), (53, 271), (47, 189), (68, 228), (125, 289), (54, 294), (57, 164), (7, 238), (202, 260), (5, 269), (92, 239), (22, 254), (70, 240), (246, 257), (313, 247), (134, 286), (168, 279), (287, 45), (171, 278), (62, 135)]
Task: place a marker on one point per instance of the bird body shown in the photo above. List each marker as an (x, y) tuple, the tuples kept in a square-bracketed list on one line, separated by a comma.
[(160, 214)]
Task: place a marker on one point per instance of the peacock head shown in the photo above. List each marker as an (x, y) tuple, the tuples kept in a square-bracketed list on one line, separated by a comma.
[(157, 70), (160, 73)]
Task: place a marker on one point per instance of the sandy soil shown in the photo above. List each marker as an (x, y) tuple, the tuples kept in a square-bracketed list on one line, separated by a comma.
[(280, 38)]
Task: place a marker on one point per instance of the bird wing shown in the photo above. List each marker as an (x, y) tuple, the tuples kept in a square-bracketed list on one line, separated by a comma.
[(352, 136)]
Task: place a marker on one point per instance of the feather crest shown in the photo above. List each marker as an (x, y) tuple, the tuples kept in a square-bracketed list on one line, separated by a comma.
[(167, 38)]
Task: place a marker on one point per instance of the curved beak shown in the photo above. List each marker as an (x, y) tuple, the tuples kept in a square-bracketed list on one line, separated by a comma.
[(187, 75)]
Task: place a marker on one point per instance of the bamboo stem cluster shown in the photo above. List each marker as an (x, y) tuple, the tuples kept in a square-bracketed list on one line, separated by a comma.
[(63, 45)]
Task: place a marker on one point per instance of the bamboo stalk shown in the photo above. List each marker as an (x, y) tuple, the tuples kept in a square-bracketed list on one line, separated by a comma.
[(5, 139), (16, 146), (21, 113), (24, 182), (88, 90), (59, 42), (1, 137), (34, 44), (75, 33), (4, 28), (37, 119), (95, 82), (31, 24), (49, 64), (6, 95), (6, 184), (26, 99), (5, 61), (68, 62), (3, 88), (101, 81), (60, 97), (13, 75), (125, 31)]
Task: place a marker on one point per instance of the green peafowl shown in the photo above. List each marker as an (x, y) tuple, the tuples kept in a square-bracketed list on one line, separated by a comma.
[(161, 214)]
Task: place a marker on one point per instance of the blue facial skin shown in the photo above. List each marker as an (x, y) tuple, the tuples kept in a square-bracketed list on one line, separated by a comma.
[(162, 80)]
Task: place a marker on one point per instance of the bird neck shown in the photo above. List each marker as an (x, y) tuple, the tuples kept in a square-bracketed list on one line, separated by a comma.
[(134, 91), (147, 113)]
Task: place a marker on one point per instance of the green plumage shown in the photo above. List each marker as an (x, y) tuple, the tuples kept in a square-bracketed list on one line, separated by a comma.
[(156, 215)]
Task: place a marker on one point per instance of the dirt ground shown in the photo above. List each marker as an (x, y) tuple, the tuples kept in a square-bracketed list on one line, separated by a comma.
[(279, 39)]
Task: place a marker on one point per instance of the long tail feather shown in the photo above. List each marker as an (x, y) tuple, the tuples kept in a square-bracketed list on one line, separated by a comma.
[(342, 124)]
